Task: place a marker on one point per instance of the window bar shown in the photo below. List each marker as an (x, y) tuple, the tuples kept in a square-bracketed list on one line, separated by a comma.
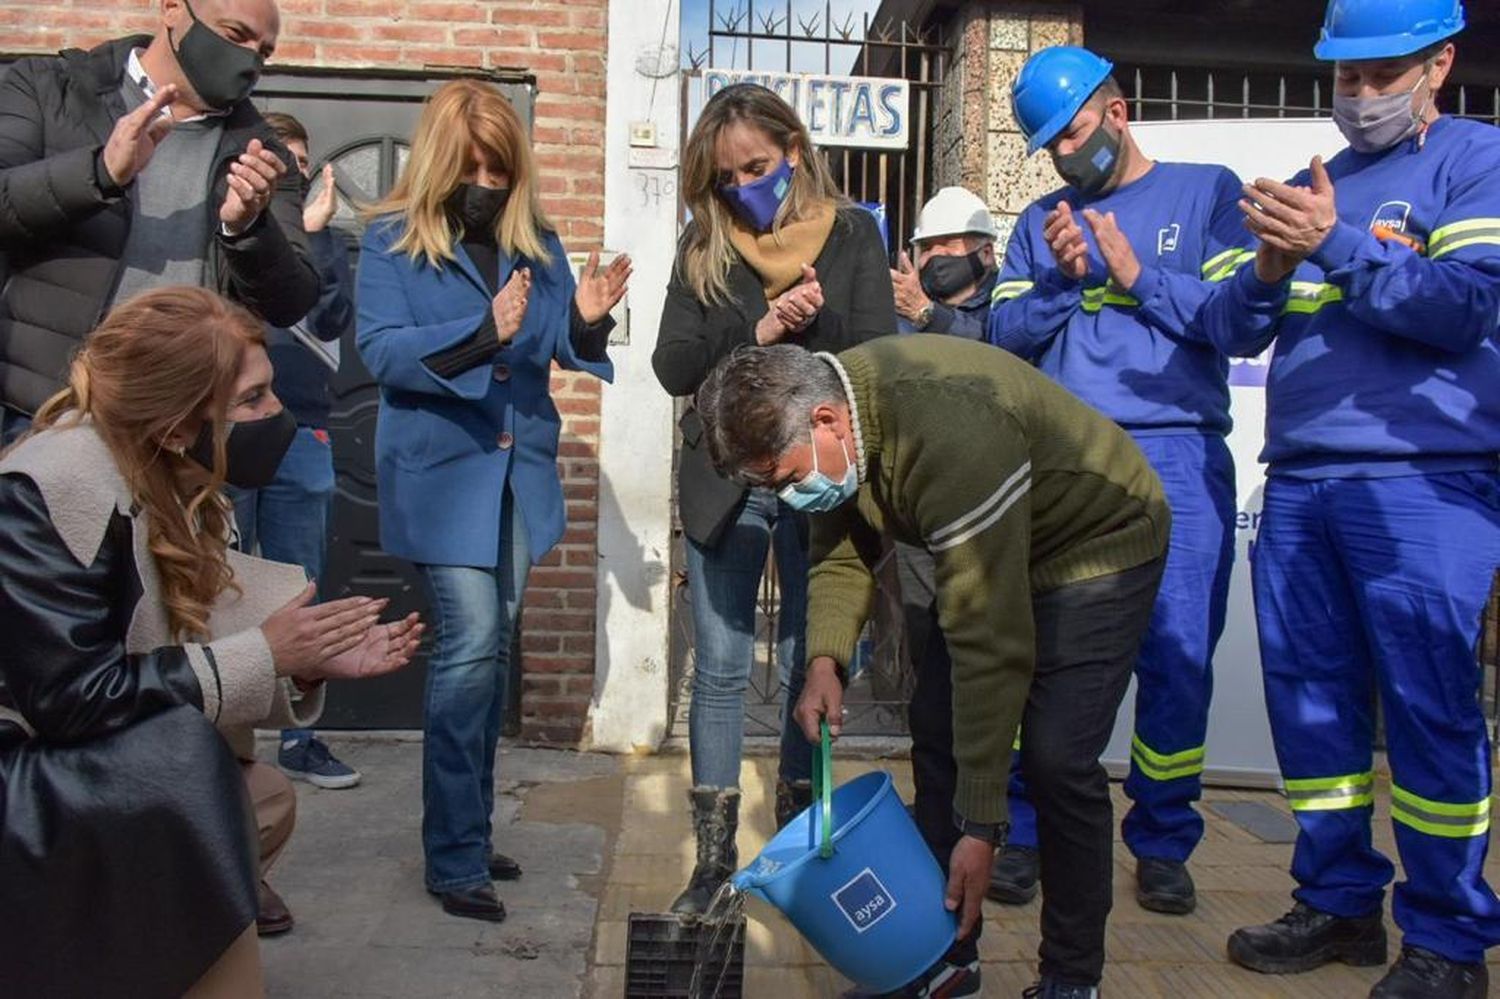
[(1174, 95), (1140, 106), (1245, 97), (1210, 94)]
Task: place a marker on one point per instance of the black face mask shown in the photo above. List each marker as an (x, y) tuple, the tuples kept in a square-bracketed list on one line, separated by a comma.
[(944, 277), (476, 207), (1092, 165), (219, 71), (253, 450)]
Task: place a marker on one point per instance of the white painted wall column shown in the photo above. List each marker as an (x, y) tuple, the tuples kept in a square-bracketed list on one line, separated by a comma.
[(629, 711)]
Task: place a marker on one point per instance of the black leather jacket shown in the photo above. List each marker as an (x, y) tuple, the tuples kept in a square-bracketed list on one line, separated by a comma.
[(125, 828), (62, 237)]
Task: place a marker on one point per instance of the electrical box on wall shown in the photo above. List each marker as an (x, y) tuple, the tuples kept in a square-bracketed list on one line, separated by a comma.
[(643, 134)]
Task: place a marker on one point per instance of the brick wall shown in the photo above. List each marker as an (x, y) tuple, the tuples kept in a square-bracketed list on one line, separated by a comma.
[(564, 44)]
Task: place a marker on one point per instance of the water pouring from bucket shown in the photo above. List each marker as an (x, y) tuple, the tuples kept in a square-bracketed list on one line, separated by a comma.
[(856, 879)]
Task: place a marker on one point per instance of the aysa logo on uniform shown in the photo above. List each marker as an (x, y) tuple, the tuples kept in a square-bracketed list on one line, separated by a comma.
[(1392, 223), (1166, 239), (1393, 216)]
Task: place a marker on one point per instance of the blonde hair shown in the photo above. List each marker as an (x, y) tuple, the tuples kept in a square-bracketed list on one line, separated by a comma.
[(156, 362), (459, 116), (706, 251)]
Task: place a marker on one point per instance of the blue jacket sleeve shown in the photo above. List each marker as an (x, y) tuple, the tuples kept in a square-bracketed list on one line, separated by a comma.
[(1242, 315), (392, 343), (950, 320), (1449, 298), (1174, 303), (1033, 301), (334, 312)]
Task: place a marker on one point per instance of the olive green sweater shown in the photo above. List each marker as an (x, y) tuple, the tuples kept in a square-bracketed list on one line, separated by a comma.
[(1014, 485)]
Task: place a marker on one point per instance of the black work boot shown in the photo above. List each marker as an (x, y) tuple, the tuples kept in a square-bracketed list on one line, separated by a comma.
[(716, 816), (792, 798), (1420, 974), (1014, 876), (1305, 939), (1164, 886)]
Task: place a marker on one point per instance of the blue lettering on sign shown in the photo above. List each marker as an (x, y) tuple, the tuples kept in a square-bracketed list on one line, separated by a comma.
[(839, 88), (890, 100), (815, 123), (864, 901), (862, 118)]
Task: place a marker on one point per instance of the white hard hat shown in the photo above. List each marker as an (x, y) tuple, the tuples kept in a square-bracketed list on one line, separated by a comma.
[(954, 211)]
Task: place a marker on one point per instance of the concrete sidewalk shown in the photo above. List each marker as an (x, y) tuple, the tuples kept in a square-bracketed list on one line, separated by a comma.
[(601, 837)]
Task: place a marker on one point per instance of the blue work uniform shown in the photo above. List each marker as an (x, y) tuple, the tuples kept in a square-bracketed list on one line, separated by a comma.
[(1380, 534), (1142, 356)]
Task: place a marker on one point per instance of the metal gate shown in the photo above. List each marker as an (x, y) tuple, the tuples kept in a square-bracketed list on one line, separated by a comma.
[(772, 37)]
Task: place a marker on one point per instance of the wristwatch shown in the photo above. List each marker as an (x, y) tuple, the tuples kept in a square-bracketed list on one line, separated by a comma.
[(924, 318), (992, 833)]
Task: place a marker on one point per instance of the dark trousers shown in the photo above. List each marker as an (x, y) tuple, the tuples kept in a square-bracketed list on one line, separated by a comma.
[(1088, 636)]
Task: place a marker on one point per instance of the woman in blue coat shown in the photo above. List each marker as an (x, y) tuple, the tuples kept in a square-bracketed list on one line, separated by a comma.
[(465, 300)]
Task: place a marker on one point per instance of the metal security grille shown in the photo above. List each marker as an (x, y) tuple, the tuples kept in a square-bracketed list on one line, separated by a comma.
[(1181, 93)]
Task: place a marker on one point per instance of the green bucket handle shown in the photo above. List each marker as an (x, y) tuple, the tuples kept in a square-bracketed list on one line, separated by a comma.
[(822, 782)]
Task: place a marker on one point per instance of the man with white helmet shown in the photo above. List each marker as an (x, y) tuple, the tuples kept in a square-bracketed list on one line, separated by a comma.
[(1381, 526), (949, 288), (1105, 286)]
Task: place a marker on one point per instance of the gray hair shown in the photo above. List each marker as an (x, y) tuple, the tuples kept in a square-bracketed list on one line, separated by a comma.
[(758, 403)]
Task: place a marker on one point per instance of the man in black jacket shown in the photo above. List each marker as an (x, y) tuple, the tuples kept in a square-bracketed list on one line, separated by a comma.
[(137, 164)]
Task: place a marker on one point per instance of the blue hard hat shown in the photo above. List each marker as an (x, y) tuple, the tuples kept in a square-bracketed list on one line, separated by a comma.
[(1386, 29), (1050, 89)]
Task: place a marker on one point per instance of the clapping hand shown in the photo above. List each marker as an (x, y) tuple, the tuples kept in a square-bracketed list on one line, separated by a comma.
[(1292, 220), (252, 181), (135, 136), (318, 212), (1114, 245), (906, 282), (1071, 251), (509, 306), (600, 291)]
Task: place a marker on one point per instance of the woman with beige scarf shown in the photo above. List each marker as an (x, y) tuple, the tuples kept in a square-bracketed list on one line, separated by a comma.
[(773, 254)]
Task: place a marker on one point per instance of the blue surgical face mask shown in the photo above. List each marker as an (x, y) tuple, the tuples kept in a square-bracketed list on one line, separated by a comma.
[(757, 202), (818, 493)]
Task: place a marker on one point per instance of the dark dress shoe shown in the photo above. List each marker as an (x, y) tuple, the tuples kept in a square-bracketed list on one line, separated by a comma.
[(271, 914), (502, 868), (479, 902), (1164, 886)]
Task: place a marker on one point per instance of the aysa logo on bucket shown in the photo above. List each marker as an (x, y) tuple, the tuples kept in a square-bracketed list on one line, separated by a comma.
[(864, 901)]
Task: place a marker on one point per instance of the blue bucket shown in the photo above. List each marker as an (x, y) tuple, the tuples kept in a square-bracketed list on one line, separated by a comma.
[(856, 879)]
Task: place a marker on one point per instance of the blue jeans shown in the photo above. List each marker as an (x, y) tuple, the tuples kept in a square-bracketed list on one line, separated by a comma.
[(289, 517), (12, 425), (473, 616), (723, 581)]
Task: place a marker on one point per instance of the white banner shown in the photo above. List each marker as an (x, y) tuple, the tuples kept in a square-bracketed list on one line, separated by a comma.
[(865, 112), (1239, 735)]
